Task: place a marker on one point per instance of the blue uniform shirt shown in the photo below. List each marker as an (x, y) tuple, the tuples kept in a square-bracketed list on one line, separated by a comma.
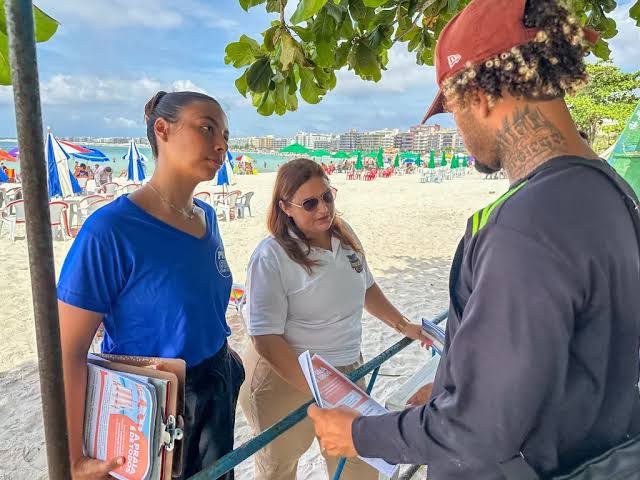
[(164, 292)]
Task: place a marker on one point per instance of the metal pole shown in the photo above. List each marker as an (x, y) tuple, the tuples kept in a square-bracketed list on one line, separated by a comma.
[(26, 92)]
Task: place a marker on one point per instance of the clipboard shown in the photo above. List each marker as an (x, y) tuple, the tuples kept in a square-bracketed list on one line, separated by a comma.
[(173, 370)]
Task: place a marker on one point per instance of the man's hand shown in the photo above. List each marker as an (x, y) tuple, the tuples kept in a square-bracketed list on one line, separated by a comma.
[(333, 428), (87, 468), (422, 396)]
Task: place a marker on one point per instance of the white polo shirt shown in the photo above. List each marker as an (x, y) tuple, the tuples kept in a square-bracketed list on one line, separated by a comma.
[(320, 312)]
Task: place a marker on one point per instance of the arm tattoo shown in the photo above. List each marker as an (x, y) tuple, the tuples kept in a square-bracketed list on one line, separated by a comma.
[(527, 141)]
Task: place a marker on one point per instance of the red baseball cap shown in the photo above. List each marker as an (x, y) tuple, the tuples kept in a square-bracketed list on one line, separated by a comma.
[(485, 28)]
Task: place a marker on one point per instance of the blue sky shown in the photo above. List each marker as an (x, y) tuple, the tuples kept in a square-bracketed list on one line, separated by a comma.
[(110, 56)]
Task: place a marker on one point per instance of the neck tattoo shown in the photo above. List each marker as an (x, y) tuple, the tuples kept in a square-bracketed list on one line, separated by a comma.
[(527, 141)]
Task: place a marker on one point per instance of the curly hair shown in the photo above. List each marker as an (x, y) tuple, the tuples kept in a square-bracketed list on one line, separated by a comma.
[(550, 66)]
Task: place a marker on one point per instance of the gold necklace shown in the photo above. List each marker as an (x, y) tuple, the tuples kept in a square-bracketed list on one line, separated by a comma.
[(171, 205)]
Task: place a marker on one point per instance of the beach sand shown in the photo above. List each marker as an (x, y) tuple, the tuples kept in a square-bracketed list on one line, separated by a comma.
[(409, 231)]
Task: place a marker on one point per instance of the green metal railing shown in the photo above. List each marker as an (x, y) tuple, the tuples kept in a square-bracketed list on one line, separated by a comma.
[(246, 450)]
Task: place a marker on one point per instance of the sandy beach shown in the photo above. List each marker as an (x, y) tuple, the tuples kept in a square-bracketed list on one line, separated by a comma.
[(409, 230)]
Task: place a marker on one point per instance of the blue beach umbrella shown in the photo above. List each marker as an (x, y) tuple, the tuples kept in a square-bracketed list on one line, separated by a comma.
[(135, 159), (225, 175), (3, 176), (62, 183)]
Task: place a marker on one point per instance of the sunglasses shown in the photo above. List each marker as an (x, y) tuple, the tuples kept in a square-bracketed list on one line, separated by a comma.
[(310, 204)]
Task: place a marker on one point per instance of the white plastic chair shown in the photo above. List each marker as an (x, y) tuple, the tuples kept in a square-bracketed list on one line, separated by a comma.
[(110, 189), (204, 196), (227, 206), (82, 181), (12, 215), (96, 205), (79, 212), (244, 203), (58, 212), (129, 188)]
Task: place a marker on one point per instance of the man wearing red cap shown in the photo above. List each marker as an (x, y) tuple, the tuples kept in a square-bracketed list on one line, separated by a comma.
[(541, 357)]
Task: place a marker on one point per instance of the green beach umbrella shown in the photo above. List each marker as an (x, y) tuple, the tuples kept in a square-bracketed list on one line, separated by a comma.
[(465, 162), (372, 154), (455, 164), (359, 165), (432, 159), (418, 161), (320, 153), (396, 162), (380, 159), (443, 161), (355, 153), (294, 148), (341, 154), (407, 155)]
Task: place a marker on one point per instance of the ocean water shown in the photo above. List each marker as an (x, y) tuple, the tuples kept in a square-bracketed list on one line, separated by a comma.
[(263, 162)]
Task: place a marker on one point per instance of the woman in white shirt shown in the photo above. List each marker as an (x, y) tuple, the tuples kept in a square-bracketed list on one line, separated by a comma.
[(307, 286)]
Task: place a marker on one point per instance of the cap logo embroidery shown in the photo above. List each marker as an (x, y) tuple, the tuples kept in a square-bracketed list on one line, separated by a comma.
[(453, 59)]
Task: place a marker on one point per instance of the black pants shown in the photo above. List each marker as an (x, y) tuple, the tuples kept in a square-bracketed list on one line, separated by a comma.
[(210, 410)]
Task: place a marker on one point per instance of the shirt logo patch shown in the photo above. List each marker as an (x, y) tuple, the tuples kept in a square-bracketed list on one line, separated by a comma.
[(221, 263), (355, 262), (453, 59)]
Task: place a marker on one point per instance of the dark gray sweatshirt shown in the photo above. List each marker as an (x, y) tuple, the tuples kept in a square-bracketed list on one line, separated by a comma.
[(543, 336)]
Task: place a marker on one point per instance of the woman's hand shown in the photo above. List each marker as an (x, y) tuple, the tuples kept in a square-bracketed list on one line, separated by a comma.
[(86, 468), (415, 332)]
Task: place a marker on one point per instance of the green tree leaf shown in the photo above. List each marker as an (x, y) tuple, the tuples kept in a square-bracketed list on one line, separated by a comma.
[(242, 52), (310, 91), (374, 3), (259, 75), (307, 9), (601, 49), (364, 61), (267, 103), (241, 84), (634, 12), (342, 54), (602, 107), (247, 4), (45, 27), (290, 52)]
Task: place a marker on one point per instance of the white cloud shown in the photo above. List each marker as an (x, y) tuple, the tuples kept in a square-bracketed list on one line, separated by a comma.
[(84, 89), (624, 47), (402, 74), (120, 122), (187, 86), (115, 13)]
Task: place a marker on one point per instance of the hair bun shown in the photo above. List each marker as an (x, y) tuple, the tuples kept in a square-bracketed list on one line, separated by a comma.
[(152, 104)]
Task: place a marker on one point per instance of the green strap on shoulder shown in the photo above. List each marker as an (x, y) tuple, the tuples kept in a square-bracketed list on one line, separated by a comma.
[(481, 217)]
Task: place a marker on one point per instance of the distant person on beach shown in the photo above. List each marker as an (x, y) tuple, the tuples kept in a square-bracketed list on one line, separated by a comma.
[(540, 367), (76, 169), (307, 286), (102, 176), (151, 267), (83, 171)]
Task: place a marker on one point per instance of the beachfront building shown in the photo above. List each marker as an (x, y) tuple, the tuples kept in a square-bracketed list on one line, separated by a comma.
[(349, 141), (279, 143), (377, 139)]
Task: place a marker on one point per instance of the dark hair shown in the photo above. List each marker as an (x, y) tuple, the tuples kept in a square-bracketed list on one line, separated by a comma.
[(548, 67), (168, 106), (291, 176), (83, 165), (108, 169)]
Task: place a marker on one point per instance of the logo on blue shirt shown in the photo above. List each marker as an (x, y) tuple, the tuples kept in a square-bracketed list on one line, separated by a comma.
[(221, 263)]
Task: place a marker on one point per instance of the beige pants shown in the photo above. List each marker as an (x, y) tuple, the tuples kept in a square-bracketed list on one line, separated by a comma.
[(266, 399)]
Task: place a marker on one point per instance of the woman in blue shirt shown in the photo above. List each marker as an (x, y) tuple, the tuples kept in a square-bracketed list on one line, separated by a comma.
[(151, 266)]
